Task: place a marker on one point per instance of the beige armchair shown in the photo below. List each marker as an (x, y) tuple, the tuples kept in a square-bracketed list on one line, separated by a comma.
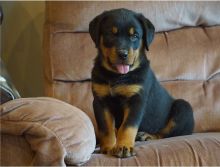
[(185, 56)]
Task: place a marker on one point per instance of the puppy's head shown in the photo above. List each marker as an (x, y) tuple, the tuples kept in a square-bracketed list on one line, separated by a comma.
[(120, 36)]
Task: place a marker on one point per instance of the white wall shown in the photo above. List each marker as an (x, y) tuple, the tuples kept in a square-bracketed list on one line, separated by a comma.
[(22, 35)]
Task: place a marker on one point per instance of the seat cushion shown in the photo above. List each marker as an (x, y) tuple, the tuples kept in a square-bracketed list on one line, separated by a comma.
[(194, 150)]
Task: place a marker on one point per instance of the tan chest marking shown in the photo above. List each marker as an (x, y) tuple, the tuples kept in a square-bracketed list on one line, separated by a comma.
[(103, 90)]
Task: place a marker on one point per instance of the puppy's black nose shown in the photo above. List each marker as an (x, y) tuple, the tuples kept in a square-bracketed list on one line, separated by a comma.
[(123, 54)]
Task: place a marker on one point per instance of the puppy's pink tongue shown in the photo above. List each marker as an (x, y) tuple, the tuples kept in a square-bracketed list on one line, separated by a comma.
[(122, 69)]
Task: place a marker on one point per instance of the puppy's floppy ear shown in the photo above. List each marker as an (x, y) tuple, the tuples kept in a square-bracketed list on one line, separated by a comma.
[(148, 29), (94, 28)]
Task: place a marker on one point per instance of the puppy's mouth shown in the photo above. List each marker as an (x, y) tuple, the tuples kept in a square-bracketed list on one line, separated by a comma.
[(120, 67)]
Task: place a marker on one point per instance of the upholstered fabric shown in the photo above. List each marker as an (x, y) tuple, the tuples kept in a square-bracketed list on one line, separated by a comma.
[(194, 150), (165, 16), (44, 131)]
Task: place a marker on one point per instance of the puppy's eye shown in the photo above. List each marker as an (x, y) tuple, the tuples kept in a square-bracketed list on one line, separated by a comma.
[(134, 37)]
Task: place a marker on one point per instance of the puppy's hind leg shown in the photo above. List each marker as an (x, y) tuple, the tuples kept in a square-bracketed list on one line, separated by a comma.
[(144, 136), (181, 122), (181, 115)]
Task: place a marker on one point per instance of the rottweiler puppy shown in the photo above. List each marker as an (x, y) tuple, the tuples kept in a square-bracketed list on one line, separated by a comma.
[(129, 103)]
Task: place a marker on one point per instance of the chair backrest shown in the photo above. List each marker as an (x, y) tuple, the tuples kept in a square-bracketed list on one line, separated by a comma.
[(185, 54)]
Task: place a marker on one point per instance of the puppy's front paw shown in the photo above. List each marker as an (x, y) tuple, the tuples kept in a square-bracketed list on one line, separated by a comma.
[(106, 150), (123, 151)]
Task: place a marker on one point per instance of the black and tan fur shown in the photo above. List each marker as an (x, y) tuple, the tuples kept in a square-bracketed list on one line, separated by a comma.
[(129, 103)]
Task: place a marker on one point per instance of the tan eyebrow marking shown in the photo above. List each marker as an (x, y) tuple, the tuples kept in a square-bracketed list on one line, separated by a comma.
[(114, 30), (131, 31)]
